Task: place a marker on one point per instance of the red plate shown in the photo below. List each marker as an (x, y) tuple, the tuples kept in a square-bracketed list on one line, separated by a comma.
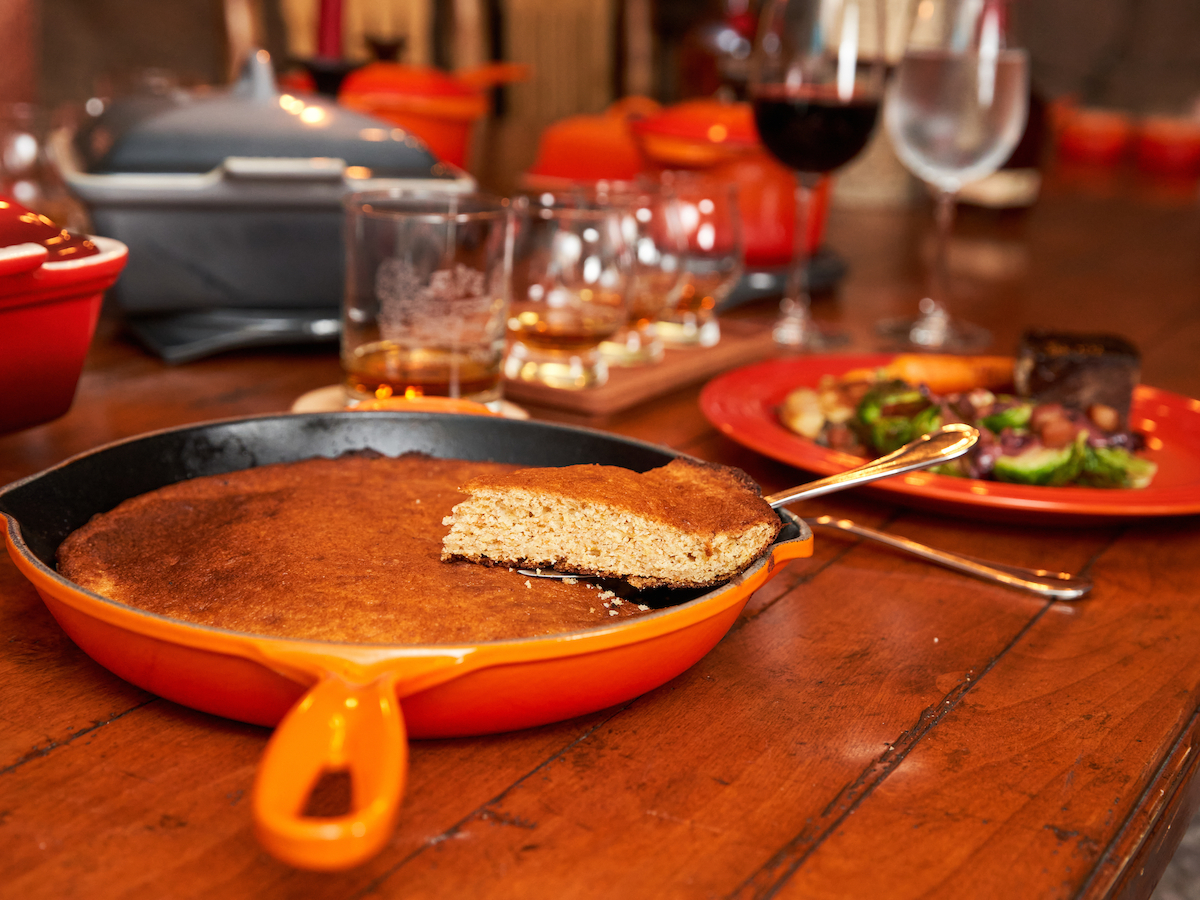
[(743, 405)]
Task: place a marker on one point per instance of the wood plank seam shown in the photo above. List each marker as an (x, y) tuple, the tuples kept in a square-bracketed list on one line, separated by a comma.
[(788, 859), (1100, 551), (38, 752)]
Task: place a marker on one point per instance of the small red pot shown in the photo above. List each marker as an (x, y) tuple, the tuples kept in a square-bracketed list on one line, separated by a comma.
[(48, 314)]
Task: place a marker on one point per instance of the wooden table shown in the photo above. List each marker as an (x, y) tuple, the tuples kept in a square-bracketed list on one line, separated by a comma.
[(871, 727)]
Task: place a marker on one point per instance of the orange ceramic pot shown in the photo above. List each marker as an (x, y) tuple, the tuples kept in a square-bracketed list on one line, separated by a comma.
[(599, 147), (438, 107), (1168, 145), (1094, 136)]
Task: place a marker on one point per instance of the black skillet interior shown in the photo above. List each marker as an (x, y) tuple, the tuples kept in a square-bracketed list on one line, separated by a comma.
[(50, 505)]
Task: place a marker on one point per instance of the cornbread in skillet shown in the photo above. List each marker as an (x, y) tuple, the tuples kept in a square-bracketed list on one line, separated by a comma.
[(343, 549), (686, 524)]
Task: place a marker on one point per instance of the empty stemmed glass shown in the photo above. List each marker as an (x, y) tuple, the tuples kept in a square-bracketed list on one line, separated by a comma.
[(955, 111), (817, 80)]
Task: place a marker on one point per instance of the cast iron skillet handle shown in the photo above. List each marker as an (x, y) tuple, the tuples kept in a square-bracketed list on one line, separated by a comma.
[(337, 727), (947, 443)]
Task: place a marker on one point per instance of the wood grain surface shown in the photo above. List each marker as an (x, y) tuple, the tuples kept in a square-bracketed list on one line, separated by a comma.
[(871, 727)]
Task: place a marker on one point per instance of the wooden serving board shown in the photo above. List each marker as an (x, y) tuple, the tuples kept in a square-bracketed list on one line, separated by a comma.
[(742, 342)]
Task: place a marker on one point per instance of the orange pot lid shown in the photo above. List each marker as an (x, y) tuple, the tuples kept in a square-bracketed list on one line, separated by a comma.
[(400, 78), (586, 148), (384, 88), (704, 121)]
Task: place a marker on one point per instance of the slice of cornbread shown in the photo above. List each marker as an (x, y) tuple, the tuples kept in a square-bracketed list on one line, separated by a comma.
[(686, 524)]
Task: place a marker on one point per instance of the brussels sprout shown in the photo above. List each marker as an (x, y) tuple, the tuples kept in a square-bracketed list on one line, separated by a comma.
[(1115, 467), (893, 413), (1013, 417), (1049, 466), (889, 396)]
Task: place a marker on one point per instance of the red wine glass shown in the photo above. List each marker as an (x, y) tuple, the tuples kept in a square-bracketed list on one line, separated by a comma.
[(817, 79)]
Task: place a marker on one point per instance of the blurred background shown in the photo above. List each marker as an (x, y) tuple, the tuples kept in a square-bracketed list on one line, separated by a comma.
[(1115, 86), (1121, 62)]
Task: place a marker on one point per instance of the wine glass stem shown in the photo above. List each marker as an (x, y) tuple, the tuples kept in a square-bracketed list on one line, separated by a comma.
[(939, 282), (795, 325)]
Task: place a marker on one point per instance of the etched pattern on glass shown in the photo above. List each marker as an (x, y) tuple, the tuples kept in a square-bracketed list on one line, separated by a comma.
[(453, 305)]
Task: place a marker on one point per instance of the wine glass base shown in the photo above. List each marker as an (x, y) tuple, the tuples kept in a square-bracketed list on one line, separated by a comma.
[(807, 336), (570, 370), (946, 336)]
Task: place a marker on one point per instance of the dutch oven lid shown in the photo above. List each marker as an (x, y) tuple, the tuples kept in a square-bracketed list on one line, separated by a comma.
[(194, 132), (703, 120)]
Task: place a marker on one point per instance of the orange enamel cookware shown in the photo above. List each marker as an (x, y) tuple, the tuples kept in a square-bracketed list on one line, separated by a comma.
[(439, 107), (350, 707)]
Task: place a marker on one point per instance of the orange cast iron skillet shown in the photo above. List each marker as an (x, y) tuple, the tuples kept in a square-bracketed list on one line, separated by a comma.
[(346, 707)]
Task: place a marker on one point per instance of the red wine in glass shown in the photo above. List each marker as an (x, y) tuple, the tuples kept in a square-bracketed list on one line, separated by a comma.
[(812, 131)]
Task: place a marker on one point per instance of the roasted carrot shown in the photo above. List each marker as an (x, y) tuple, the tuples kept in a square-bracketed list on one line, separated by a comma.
[(950, 374)]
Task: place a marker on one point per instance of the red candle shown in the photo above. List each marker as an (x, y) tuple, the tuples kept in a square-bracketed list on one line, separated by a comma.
[(329, 30)]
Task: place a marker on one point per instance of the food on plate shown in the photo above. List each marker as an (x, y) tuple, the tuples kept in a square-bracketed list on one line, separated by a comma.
[(946, 374), (344, 549), (1067, 424), (1093, 372), (686, 524)]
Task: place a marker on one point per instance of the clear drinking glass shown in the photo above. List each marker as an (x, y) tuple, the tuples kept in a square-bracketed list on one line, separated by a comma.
[(955, 111), (711, 224), (816, 82), (427, 291), (571, 273), (653, 231)]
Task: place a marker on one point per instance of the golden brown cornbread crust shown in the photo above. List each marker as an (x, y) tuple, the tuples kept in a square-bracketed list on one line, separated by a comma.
[(690, 495), (344, 550), (686, 524)]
